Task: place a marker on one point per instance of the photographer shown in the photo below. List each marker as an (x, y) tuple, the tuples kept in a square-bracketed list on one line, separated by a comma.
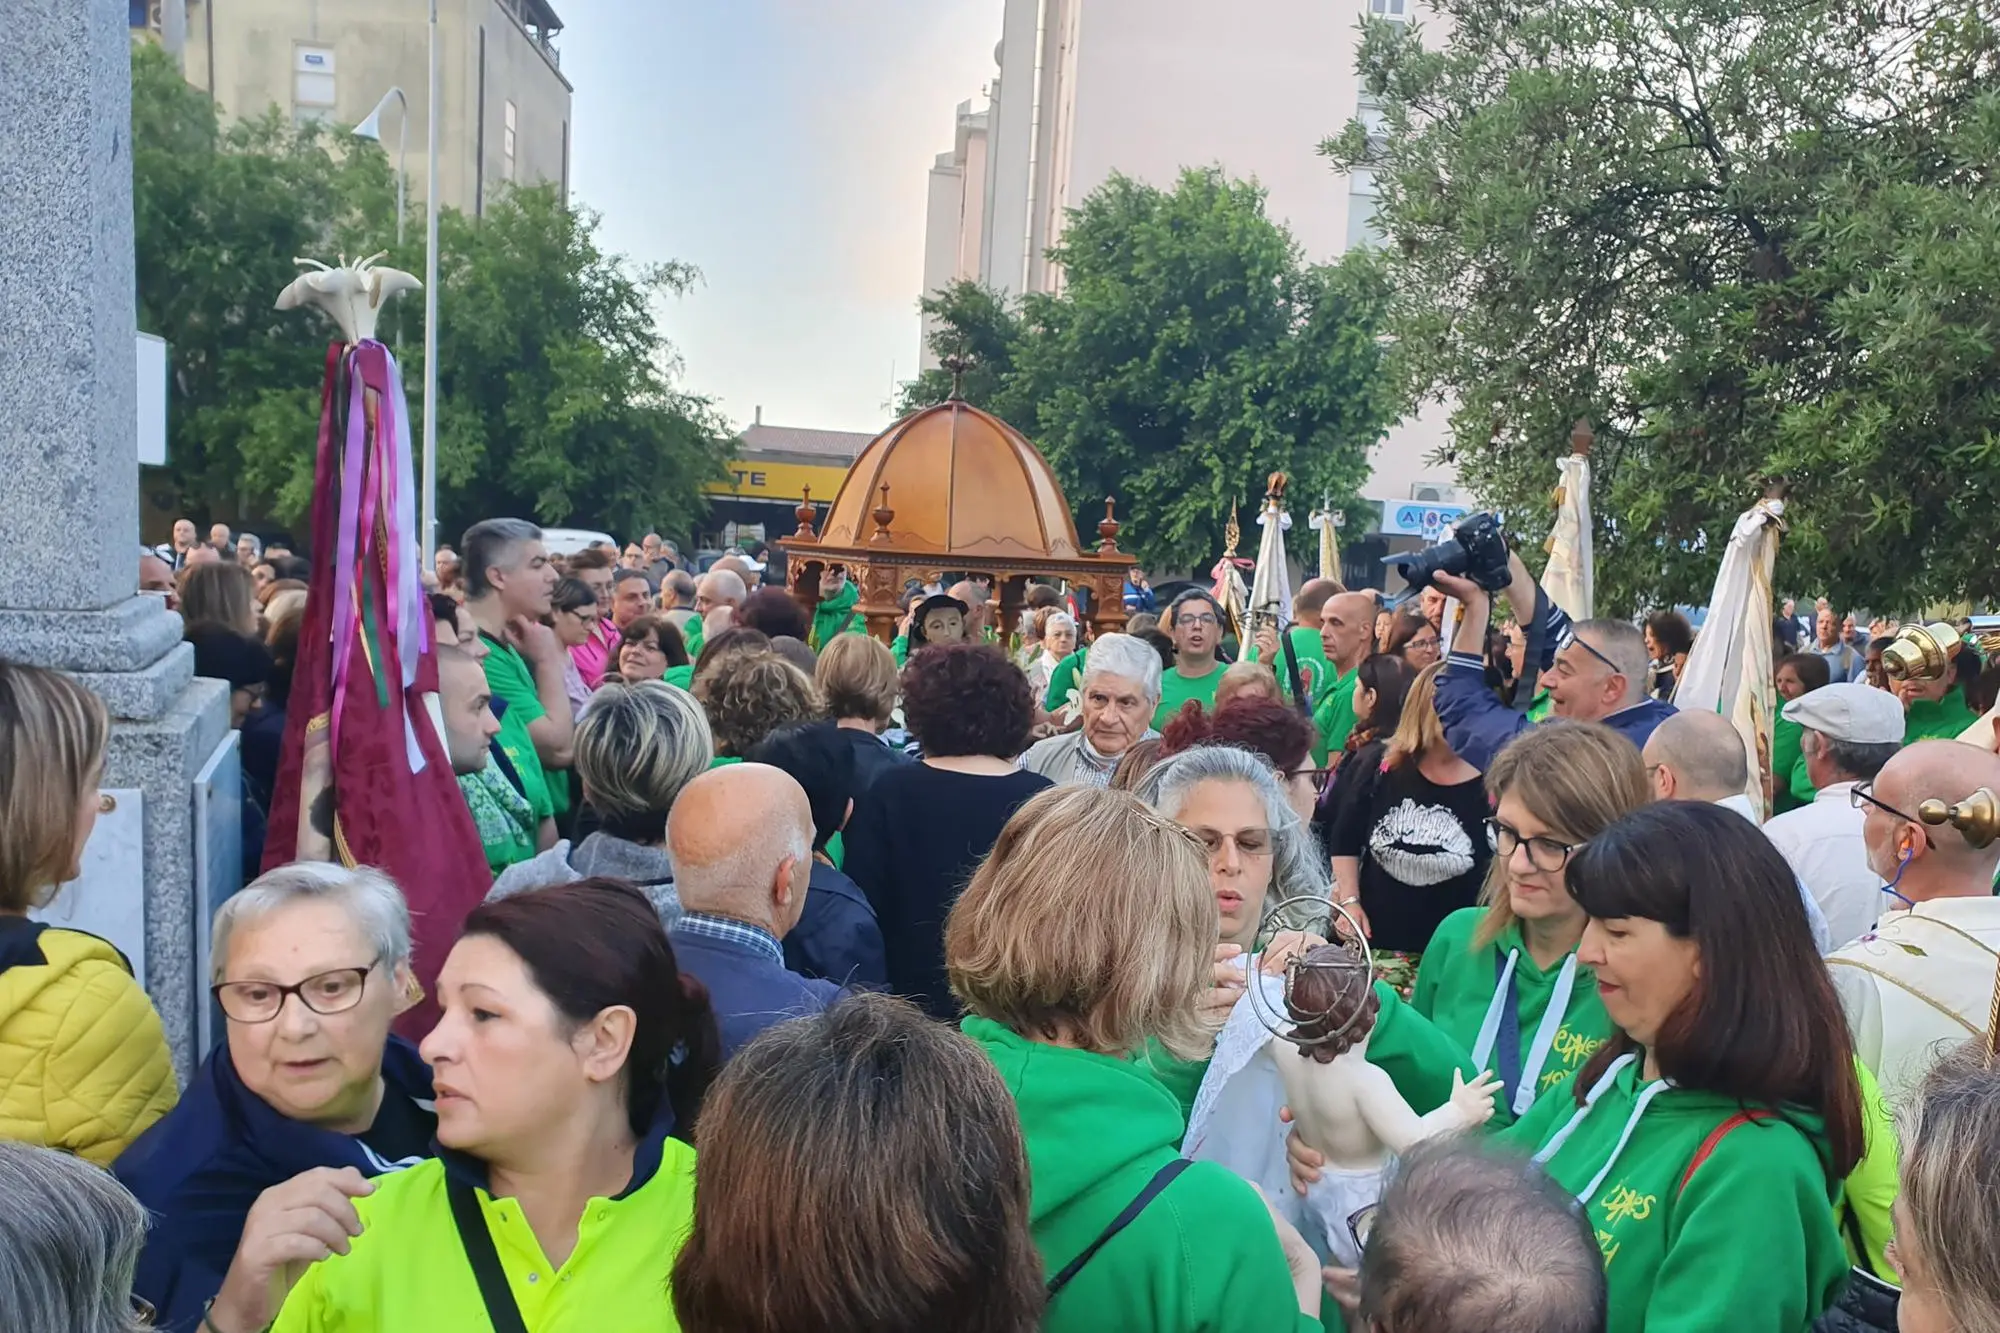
[(1600, 670)]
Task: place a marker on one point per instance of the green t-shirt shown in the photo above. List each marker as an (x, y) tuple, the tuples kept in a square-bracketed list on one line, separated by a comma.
[(1938, 719), (1061, 681), (512, 682), (1790, 785), (1176, 689), (1314, 670), (1334, 714), (681, 676)]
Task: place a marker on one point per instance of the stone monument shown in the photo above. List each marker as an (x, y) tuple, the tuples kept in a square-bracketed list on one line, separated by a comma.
[(69, 475)]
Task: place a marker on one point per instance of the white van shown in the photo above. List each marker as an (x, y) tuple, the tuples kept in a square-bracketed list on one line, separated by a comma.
[(568, 541)]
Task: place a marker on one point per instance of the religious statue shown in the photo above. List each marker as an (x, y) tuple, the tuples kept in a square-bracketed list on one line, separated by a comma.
[(1345, 1108)]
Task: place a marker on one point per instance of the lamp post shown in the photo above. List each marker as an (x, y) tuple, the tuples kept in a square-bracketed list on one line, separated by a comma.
[(371, 128), (428, 519)]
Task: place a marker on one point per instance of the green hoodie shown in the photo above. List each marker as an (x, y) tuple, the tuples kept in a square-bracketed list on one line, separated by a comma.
[(1203, 1256), (1420, 1043), (1742, 1239), (836, 615)]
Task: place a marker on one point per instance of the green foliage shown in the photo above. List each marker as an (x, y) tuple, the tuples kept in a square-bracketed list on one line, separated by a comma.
[(1751, 239), (557, 392), (1190, 353)]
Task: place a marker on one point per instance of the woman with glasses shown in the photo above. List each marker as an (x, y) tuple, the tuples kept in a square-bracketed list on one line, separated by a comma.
[(1501, 984), (570, 1066), (1409, 838), (1414, 639), (84, 1065), (574, 616), (307, 1095), (1707, 1138)]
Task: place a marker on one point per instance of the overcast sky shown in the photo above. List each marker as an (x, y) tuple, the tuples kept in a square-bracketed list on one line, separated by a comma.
[(782, 147)]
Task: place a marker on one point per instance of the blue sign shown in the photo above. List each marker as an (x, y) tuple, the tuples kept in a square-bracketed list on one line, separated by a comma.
[(1417, 518)]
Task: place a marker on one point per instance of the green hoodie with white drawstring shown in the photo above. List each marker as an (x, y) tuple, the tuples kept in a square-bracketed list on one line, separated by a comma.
[(1710, 1214)]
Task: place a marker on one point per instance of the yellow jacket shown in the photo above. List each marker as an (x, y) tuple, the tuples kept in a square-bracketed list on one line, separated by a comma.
[(83, 1060)]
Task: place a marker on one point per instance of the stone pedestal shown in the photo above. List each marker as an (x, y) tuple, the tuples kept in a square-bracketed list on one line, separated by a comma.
[(69, 475)]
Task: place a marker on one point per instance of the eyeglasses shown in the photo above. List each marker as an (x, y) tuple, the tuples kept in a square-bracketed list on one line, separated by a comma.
[(332, 992), (1248, 841), (143, 1311), (1863, 793), (1210, 621), (1361, 1224), (1317, 776), (1543, 853)]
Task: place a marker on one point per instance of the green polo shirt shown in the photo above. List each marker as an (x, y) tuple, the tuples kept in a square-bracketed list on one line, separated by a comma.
[(513, 682)]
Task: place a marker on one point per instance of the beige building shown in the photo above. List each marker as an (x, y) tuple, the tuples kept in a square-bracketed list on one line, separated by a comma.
[(1146, 87), (504, 103)]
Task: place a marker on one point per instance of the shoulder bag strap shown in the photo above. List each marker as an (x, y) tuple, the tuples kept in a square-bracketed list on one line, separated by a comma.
[(501, 1308), (1299, 700), (1714, 1139), (1164, 1177)]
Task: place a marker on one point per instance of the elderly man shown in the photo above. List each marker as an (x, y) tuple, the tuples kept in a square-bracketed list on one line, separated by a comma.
[(222, 540), (1848, 732), (307, 1094), (1922, 980), (740, 839), (1700, 757), (1601, 669), (156, 575), (719, 589), (508, 580), (249, 550), (1464, 1241), (1844, 660), (1121, 687)]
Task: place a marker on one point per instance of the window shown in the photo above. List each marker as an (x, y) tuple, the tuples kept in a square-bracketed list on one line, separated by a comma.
[(313, 84), (1396, 11), (507, 140)]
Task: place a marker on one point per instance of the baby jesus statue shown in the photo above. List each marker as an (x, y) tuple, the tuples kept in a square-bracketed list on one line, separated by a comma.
[(1345, 1107)]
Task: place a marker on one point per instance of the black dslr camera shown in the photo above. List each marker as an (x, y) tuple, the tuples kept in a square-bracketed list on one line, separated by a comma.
[(1476, 549)]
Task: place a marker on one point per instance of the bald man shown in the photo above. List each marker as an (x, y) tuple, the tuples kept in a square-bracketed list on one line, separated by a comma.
[(978, 613), (723, 587), (1701, 757), (741, 840), (1922, 981), (1596, 671), (1347, 637)]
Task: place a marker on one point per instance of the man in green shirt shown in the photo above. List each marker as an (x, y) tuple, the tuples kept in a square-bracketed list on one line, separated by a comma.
[(1195, 622), (1315, 673), (1347, 635), (508, 579)]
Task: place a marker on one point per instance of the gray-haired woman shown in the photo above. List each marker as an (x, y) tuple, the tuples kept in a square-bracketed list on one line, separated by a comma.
[(69, 1239), (635, 749), (1120, 689), (307, 1096)]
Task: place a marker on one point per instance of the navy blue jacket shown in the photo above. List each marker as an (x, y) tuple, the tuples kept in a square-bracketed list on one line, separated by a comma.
[(748, 990), (1478, 726), (837, 937), (201, 1166)]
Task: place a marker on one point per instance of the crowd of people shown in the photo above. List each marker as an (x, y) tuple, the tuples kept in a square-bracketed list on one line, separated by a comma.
[(839, 984)]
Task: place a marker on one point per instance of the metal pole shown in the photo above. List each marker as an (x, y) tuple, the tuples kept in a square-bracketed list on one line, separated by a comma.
[(402, 173), (429, 518)]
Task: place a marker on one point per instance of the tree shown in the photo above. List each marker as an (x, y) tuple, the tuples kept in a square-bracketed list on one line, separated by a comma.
[(1190, 353), (1752, 239), (557, 392)]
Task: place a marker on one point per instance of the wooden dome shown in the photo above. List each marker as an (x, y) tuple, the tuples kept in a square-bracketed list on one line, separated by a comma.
[(962, 483)]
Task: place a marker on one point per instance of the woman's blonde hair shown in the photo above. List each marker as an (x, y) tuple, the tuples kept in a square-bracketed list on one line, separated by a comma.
[(1577, 778), (1951, 1148), (1091, 920), (52, 733), (219, 594), (1241, 678), (636, 747), (1419, 731), (857, 674)]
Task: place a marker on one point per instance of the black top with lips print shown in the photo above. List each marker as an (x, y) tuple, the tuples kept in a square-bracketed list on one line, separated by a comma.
[(1423, 847)]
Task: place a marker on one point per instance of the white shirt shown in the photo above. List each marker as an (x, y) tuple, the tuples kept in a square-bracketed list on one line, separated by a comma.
[(1823, 843), (1815, 919), (1919, 984)]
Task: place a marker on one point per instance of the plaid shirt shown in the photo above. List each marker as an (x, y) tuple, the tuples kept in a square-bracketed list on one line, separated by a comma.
[(731, 931)]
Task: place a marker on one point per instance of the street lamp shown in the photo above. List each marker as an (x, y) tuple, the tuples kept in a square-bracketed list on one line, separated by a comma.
[(371, 128), (428, 519)]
